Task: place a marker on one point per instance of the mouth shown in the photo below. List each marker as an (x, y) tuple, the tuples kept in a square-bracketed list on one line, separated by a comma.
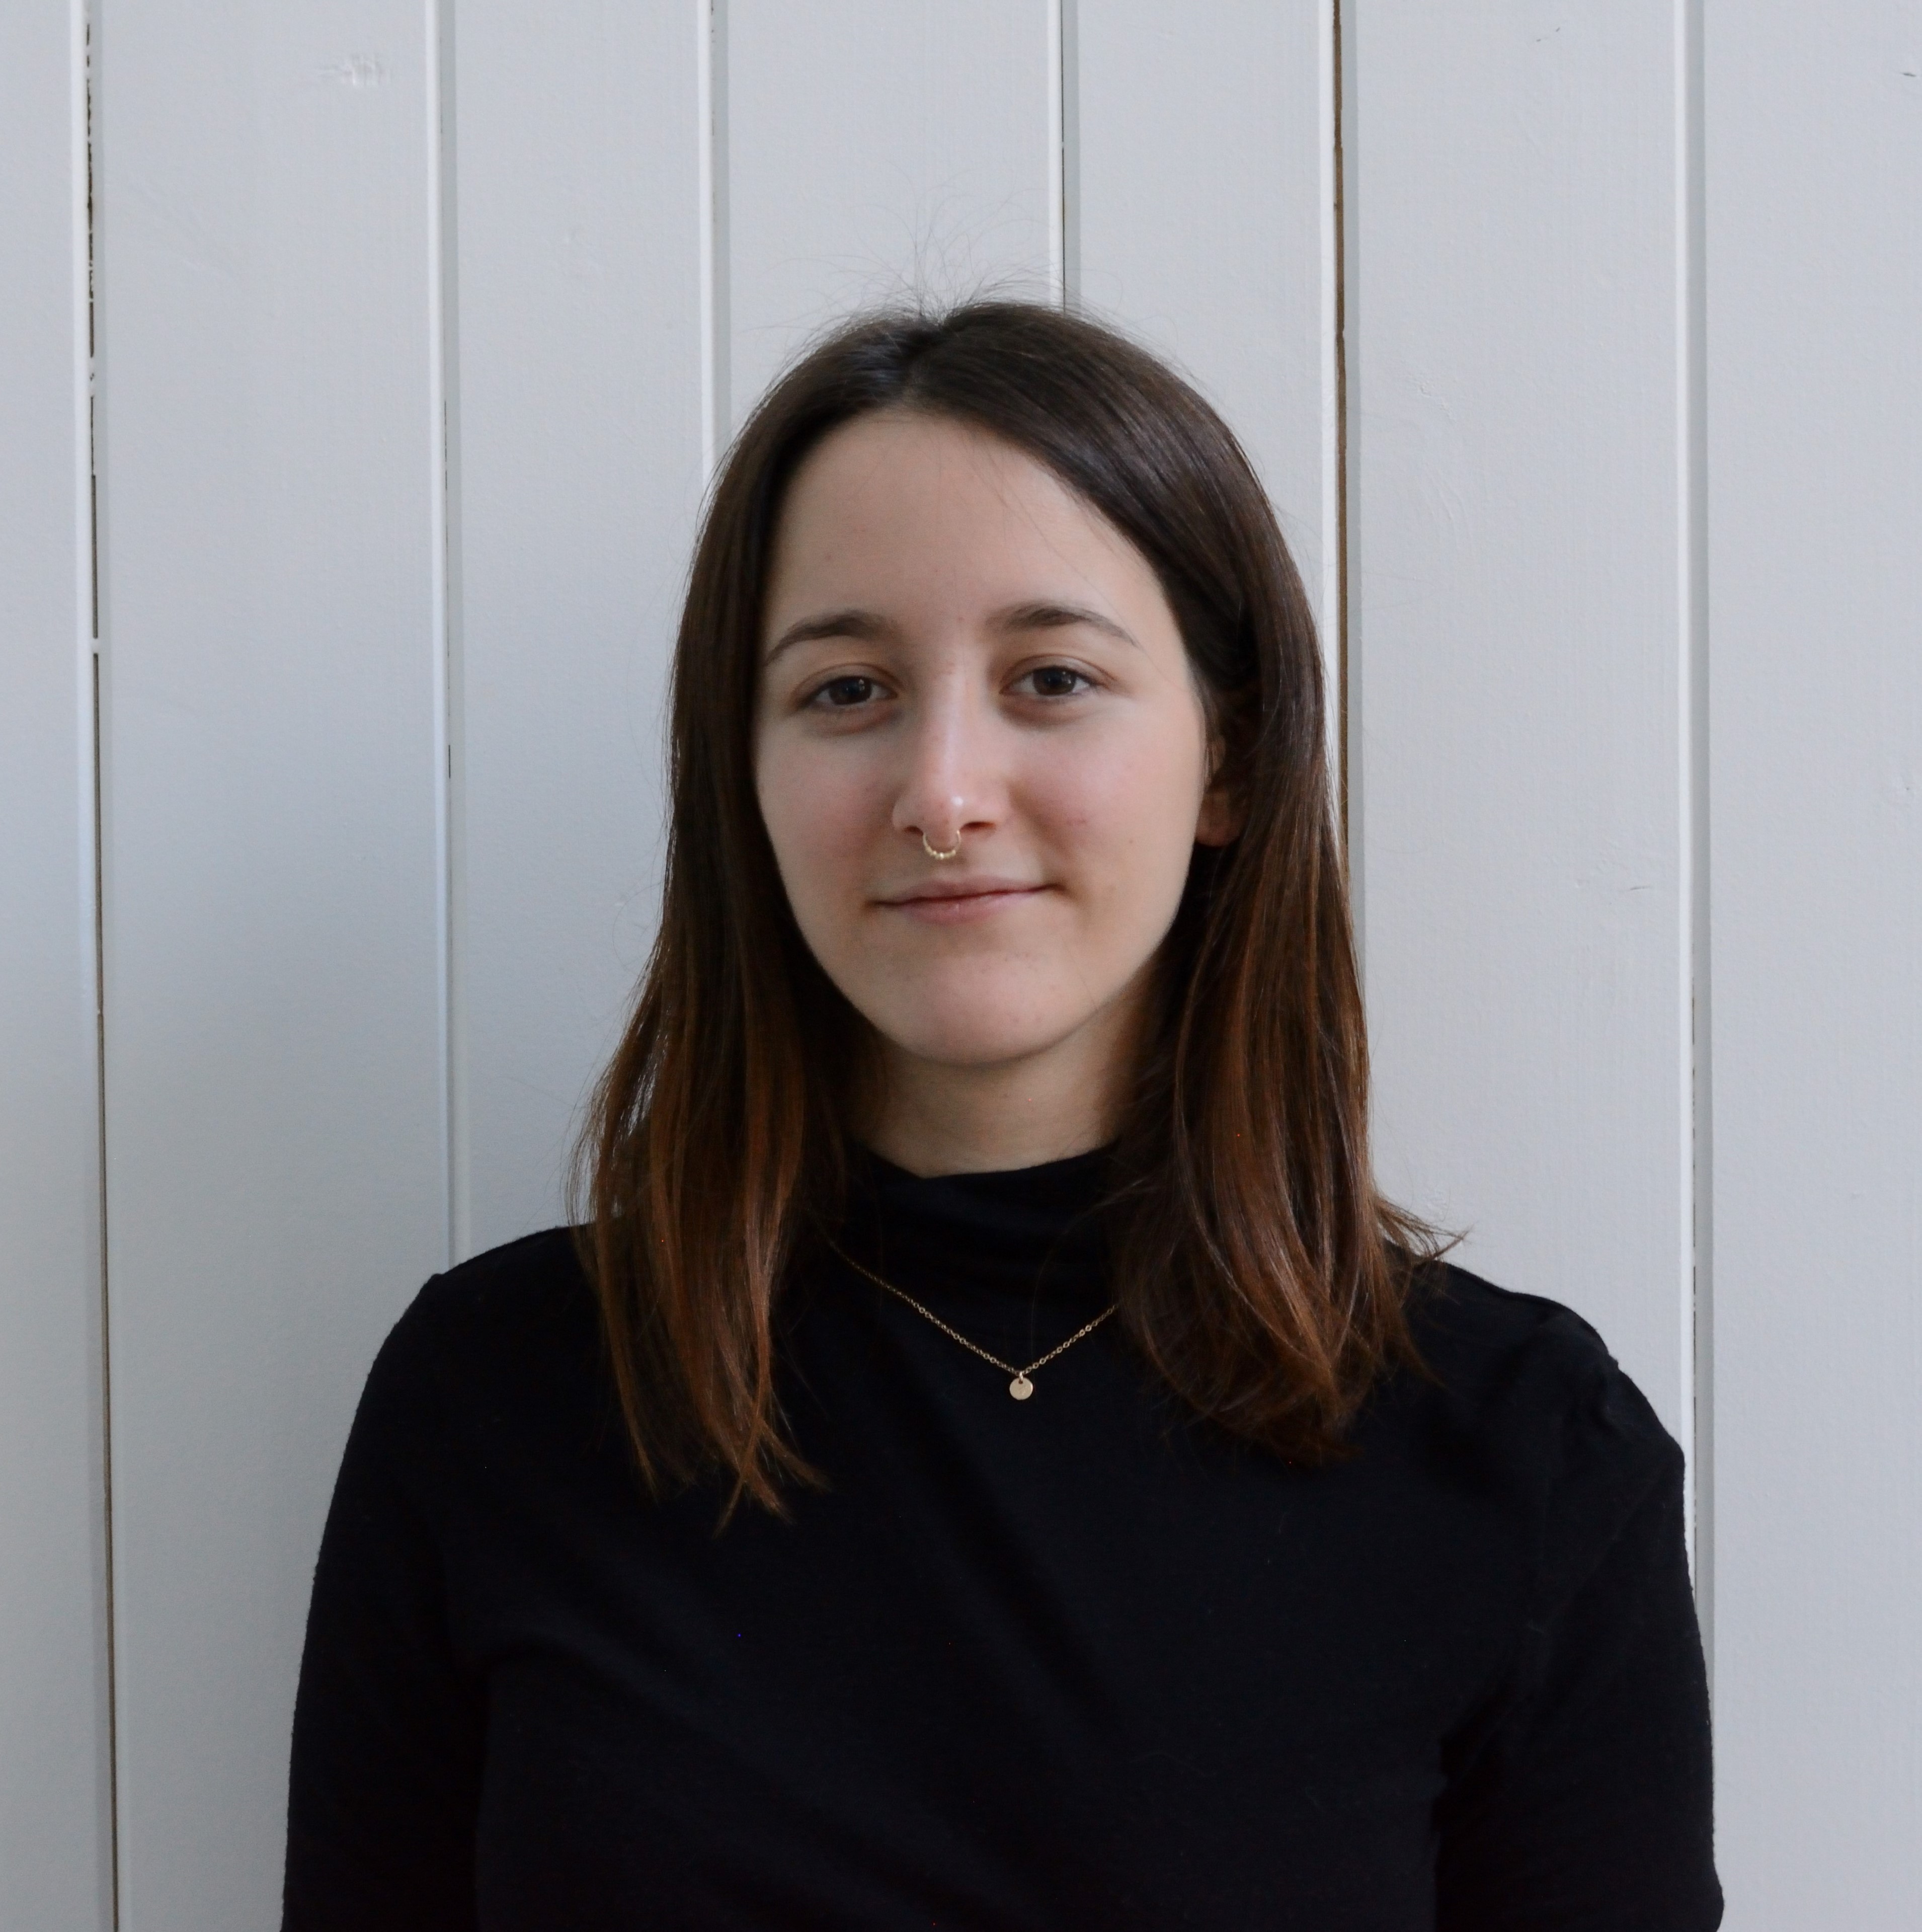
[(954, 901)]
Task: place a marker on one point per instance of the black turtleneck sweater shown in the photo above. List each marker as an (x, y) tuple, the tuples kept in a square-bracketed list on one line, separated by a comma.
[(1074, 1662)]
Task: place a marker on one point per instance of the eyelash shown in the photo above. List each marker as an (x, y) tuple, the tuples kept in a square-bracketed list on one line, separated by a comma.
[(816, 698), (1086, 683)]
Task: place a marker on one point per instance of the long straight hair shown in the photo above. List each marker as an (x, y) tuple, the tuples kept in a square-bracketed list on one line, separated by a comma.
[(1258, 1271)]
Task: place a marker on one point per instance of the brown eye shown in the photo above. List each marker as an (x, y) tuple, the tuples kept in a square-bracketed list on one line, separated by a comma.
[(1055, 681), (843, 694)]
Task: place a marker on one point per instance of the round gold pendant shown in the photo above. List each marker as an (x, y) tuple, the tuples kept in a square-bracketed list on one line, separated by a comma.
[(1020, 1388)]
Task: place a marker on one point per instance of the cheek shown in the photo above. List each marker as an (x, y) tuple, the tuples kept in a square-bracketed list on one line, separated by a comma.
[(819, 815), (1125, 808)]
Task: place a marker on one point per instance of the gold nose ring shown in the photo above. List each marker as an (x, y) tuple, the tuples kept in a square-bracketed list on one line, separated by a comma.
[(952, 852)]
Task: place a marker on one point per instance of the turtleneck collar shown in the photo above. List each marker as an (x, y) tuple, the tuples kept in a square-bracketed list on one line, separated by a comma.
[(998, 1246)]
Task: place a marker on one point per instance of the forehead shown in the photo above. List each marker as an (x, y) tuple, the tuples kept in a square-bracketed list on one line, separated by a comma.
[(898, 496)]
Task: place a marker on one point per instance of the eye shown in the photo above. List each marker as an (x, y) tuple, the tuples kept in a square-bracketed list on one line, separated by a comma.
[(1055, 681), (845, 694)]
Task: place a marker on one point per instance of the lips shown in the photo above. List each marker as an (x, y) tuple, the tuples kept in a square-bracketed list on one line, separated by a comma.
[(953, 901), (925, 890)]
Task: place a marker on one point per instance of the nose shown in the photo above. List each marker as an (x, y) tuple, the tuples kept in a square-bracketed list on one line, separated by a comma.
[(948, 789)]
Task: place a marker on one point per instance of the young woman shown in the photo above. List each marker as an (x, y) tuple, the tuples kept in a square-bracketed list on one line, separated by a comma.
[(989, 1458)]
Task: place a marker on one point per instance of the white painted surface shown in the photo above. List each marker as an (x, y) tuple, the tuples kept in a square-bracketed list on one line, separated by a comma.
[(1814, 179), (54, 1822), (875, 151), (276, 1165), (645, 210), (1202, 189), (579, 414), (1516, 647)]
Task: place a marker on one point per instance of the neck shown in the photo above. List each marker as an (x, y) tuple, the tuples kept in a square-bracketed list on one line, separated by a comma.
[(934, 1118)]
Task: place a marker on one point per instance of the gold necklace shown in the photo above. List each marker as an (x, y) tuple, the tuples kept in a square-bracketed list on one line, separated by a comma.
[(1021, 1387)]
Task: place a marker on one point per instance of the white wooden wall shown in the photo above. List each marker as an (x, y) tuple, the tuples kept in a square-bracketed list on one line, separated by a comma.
[(1576, 341), (55, 1802)]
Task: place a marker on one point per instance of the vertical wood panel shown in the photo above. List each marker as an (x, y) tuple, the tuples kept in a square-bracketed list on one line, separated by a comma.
[(278, 1094), (275, 1086), (1813, 176), (1517, 649), (579, 446), (1200, 167), (54, 1792), (876, 151)]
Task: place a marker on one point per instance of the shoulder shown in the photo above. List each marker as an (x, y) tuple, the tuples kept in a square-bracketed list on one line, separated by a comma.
[(480, 1391), (482, 1330), (1487, 1343), (1524, 1397), (529, 1282)]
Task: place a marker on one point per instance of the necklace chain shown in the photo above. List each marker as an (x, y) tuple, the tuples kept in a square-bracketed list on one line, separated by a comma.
[(1020, 1386)]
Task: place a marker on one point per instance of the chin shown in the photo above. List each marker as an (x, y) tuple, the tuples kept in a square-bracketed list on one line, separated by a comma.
[(966, 1034)]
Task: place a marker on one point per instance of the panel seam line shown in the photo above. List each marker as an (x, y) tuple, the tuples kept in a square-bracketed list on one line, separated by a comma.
[(87, 303)]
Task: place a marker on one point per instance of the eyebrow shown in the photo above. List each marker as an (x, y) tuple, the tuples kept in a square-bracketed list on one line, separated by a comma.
[(1039, 616), (1051, 616), (828, 624)]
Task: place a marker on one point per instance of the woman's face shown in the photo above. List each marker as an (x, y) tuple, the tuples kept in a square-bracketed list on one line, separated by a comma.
[(958, 649)]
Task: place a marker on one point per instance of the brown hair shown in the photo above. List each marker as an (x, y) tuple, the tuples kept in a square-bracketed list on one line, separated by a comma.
[(1258, 1271)]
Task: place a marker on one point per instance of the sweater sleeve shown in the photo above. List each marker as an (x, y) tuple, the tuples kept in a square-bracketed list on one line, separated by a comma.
[(387, 1729), (1580, 1800)]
